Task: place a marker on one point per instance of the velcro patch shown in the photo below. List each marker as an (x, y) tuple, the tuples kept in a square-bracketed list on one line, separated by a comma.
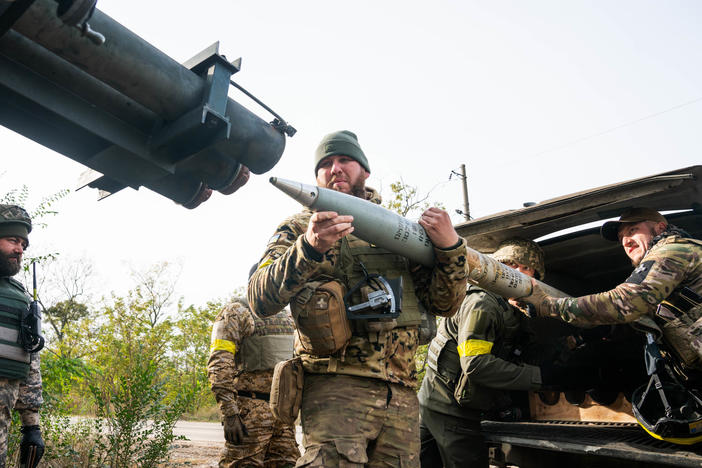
[(638, 275)]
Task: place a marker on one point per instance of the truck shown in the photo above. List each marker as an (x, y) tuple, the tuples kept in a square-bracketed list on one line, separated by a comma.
[(593, 427)]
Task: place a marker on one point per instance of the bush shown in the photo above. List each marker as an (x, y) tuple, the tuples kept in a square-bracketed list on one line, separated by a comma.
[(139, 419)]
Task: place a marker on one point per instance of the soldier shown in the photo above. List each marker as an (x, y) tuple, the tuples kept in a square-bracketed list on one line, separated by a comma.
[(243, 351), (665, 286), (359, 406), (472, 363), (20, 378)]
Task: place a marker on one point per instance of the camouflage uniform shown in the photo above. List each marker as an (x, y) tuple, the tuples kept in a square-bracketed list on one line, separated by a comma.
[(25, 397), (358, 406), (672, 262), (269, 443), (22, 394)]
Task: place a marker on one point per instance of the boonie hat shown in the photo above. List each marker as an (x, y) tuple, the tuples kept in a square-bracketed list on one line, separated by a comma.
[(610, 229)]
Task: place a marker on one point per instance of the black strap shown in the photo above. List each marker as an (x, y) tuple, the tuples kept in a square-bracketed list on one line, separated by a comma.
[(254, 395)]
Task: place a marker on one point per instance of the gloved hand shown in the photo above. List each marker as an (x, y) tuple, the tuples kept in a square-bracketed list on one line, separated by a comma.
[(540, 302), (234, 429), (571, 377), (31, 447)]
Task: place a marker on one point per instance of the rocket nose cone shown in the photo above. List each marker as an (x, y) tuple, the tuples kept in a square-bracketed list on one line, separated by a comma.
[(303, 193)]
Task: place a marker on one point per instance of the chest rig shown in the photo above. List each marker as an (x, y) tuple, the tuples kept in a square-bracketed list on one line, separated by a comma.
[(14, 303), (379, 286), (443, 358), (271, 342)]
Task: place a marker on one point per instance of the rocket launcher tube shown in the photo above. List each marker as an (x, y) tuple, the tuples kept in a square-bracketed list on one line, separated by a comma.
[(392, 232)]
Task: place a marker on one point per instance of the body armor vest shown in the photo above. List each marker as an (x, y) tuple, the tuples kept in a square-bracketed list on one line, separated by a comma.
[(444, 361), (355, 251), (14, 302), (271, 342)]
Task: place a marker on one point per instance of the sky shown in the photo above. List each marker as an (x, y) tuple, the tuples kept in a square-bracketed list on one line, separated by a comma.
[(537, 98)]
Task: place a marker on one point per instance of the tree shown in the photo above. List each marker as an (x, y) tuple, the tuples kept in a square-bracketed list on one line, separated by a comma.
[(156, 288), (406, 199)]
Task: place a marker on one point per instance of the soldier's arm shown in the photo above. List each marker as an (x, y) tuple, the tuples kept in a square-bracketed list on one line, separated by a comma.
[(232, 324), (30, 398), (652, 281), (287, 264), (442, 288), (478, 329)]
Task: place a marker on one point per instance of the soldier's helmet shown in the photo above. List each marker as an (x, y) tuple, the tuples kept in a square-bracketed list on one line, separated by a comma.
[(14, 221), (522, 251)]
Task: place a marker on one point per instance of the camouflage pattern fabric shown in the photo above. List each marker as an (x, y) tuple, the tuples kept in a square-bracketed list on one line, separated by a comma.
[(342, 414), (270, 444), (9, 389), (286, 267), (671, 262), (15, 214), (483, 336), (522, 251), (25, 397)]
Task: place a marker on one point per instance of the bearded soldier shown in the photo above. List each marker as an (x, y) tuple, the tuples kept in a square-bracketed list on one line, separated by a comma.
[(665, 286), (20, 378), (358, 406), (243, 351), (472, 363)]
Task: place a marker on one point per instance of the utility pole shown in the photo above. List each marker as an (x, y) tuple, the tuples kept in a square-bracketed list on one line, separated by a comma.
[(464, 180)]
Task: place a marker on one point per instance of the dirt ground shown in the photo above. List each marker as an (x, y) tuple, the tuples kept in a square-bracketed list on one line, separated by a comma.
[(195, 454)]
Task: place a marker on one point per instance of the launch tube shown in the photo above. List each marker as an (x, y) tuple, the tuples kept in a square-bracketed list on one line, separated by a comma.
[(392, 232)]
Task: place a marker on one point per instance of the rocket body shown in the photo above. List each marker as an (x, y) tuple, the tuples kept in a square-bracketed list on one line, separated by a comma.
[(371, 222), (390, 231)]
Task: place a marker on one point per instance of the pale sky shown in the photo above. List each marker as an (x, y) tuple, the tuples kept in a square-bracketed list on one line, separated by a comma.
[(537, 98)]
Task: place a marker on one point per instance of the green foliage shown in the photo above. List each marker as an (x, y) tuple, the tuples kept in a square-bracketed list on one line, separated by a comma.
[(406, 199), (191, 349), (134, 407)]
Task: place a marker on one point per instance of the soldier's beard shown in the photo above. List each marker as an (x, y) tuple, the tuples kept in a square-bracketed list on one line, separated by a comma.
[(358, 189), (7, 266)]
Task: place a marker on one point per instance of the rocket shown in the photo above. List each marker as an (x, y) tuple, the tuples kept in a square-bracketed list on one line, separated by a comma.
[(388, 230)]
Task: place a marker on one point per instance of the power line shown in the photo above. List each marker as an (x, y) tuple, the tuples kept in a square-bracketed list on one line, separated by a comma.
[(594, 135)]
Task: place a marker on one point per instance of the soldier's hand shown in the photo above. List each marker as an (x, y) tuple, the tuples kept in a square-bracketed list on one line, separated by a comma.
[(327, 227), (31, 447), (234, 429), (439, 228), (538, 299)]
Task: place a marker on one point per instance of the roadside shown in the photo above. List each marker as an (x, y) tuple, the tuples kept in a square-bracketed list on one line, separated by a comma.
[(204, 446)]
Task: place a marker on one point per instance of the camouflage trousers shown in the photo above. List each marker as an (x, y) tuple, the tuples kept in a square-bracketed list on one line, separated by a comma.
[(352, 421), (270, 444), (9, 390)]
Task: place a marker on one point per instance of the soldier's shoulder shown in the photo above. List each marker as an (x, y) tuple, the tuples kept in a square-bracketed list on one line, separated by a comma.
[(676, 245), (478, 300), (16, 284), (233, 309)]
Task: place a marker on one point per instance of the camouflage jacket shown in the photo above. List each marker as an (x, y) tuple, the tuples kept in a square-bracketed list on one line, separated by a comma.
[(287, 266), (673, 261), (486, 340), (225, 368)]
